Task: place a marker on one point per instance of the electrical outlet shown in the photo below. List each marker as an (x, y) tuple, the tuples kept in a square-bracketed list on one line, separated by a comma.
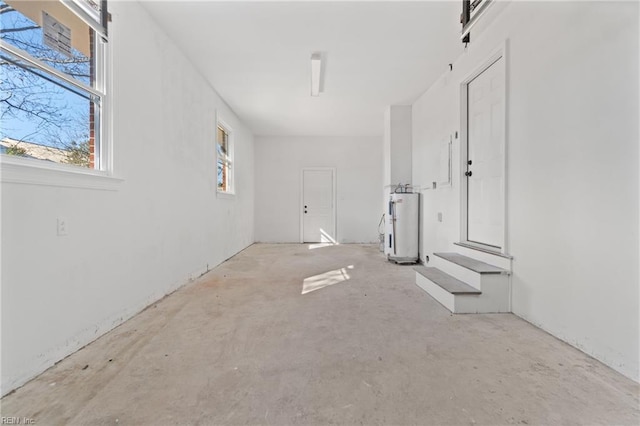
[(62, 227)]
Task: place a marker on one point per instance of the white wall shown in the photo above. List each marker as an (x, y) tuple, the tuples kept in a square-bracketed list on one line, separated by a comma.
[(396, 150), (572, 154), (126, 248), (279, 161), (399, 117)]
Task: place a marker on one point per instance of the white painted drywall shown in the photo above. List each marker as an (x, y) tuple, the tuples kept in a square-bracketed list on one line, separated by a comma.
[(396, 154), (129, 247), (377, 54), (279, 161), (572, 179), (399, 117), (386, 148)]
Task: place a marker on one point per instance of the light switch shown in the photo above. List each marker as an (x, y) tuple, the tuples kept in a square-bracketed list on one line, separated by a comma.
[(439, 217)]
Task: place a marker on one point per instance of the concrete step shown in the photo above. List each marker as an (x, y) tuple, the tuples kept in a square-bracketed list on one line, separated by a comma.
[(472, 264), (464, 268), (497, 259), (442, 286), (459, 297), (446, 281)]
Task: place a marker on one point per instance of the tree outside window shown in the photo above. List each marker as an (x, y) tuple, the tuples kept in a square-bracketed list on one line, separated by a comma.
[(50, 99), (224, 154)]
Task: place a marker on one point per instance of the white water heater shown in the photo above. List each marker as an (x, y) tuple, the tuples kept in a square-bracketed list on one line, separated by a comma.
[(401, 236)]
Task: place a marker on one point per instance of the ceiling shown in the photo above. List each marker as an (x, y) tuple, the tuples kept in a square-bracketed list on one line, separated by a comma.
[(257, 56)]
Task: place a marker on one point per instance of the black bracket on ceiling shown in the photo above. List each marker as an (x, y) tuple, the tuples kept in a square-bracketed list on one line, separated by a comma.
[(472, 10), (105, 16), (465, 17)]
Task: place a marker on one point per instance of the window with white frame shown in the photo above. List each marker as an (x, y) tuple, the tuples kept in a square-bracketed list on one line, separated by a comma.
[(53, 81), (224, 152)]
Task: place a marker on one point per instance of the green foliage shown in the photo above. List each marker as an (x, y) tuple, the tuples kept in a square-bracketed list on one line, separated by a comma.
[(78, 154), (16, 150)]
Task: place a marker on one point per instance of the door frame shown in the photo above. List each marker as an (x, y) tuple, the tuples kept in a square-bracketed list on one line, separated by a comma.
[(500, 52), (334, 201)]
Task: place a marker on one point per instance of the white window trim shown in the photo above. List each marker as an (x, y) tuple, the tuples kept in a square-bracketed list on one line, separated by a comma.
[(49, 69), (38, 172), (231, 193), (84, 12), (14, 169)]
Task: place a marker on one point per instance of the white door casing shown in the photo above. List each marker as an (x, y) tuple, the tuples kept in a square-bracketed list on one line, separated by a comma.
[(318, 209), (484, 157)]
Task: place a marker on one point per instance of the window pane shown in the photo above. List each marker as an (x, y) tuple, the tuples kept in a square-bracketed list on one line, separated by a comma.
[(224, 160), (21, 23), (222, 176), (222, 141), (43, 117)]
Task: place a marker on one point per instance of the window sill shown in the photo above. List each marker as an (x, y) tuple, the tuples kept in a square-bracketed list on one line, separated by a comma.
[(227, 195), (37, 172)]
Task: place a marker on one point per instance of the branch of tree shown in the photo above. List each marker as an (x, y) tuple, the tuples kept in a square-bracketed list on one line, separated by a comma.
[(5, 8), (13, 30)]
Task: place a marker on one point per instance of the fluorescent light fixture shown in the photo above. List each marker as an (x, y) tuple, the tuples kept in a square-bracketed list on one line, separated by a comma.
[(316, 68)]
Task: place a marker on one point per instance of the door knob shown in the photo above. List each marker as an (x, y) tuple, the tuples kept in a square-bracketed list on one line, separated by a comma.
[(467, 174)]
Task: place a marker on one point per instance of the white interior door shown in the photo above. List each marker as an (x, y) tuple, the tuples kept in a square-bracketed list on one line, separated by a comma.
[(318, 206), (485, 157)]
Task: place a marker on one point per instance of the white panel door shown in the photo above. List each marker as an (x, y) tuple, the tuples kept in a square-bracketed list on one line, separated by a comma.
[(318, 218), (485, 162)]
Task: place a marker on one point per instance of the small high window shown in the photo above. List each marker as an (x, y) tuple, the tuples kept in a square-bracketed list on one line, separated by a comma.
[(224, 151)]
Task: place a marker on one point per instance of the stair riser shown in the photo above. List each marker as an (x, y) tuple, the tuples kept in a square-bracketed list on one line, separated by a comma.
[(463, 274), (499, 261), (495, 297), (443, 297)]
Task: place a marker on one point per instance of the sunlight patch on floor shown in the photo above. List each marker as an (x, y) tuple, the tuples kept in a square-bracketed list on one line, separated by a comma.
[(320, 245), (325, 279), (326, 240)]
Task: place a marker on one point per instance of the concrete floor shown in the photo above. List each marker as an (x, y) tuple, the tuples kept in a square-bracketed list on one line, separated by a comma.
[(242, 345)]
